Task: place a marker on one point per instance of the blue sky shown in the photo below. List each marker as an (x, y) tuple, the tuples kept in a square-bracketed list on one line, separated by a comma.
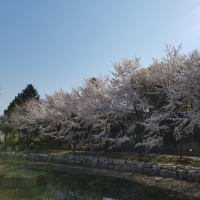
[(54, 44)]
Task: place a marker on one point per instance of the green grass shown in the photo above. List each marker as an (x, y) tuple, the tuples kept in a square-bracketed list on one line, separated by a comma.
[(158, 159), (17, 168)]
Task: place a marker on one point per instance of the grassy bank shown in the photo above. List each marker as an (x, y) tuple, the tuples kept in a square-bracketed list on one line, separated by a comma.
[(159, 159), (10, 167)]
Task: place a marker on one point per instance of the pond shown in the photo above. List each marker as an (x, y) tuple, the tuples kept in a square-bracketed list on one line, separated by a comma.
[(83, 187)]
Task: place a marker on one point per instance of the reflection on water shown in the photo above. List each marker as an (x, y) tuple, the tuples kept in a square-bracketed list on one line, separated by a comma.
[(83, 187)]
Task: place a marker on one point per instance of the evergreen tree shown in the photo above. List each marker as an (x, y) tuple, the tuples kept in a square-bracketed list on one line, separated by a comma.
[(26, 94), (29, 92)]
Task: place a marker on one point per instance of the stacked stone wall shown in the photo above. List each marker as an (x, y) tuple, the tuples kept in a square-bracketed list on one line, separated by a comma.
[(148, 168)]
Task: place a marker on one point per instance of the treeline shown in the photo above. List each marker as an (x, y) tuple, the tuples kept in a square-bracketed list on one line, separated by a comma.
[(132, 104)]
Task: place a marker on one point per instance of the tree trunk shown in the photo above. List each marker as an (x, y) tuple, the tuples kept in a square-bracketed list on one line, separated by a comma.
[(181, 149), (60, 145), (5, 141), (139, 150), (19, 138), (74, 148), (42, 145), (51, 143), (157, 149)]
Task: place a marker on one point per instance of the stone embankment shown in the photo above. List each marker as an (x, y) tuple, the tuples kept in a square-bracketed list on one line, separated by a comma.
[(147, 168)]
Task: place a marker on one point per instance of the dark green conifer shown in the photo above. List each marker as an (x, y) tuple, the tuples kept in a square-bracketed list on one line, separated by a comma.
[(28, 93)]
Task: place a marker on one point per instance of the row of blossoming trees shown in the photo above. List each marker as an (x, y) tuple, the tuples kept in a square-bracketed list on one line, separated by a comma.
[(132, 104)]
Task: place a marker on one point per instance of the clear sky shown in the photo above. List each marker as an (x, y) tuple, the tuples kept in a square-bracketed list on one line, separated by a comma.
[(54, 44)]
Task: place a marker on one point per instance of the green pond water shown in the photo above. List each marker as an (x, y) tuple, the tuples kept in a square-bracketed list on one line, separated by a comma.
[(84, 187)]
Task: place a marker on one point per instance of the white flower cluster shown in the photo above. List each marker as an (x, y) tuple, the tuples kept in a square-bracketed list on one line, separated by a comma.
[(134, 104)]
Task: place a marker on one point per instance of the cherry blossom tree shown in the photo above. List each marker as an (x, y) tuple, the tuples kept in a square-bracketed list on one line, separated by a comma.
[(96, 108), (67, 121), (115, 105), (29, 118), (128, 91), (132, 104), (173, 79)]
